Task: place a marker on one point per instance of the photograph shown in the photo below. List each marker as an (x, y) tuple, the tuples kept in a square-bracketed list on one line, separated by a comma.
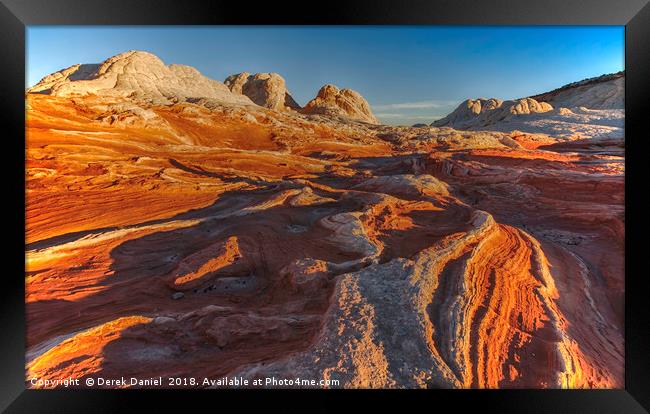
[(325, 207)]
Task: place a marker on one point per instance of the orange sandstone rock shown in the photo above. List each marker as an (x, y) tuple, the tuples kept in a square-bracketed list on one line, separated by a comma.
[(379, 256)]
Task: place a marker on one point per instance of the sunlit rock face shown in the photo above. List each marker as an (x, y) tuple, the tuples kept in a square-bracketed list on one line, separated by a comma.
[(265, 89), (485, 112), (591, 108), (602, 92), (344, 103), (136, 74), (203, 237)]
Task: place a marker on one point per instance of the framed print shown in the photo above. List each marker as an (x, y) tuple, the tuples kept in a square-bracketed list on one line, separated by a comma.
[(375, 204)]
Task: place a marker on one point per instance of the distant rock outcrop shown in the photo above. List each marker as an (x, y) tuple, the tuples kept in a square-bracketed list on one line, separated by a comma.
[(602, 92), (347, 103), (265, 89), (136, 74), (588, 108), (484, 112)]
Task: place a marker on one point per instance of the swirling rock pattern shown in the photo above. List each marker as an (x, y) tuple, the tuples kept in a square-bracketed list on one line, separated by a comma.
[(201, 239)]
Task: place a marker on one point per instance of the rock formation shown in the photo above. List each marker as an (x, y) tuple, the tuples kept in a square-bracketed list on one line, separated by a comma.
[(477, 113), (347, 103), (203, 238), (589, 108), (136, 74), (265, 89), (602, 92)]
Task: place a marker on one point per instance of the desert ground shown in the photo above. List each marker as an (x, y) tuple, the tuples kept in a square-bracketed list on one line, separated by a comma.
[(178, 226)]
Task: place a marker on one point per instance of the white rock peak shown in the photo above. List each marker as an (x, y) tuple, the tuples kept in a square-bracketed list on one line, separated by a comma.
[(484, 112), (136, 74), (347, 103), (265, 89)]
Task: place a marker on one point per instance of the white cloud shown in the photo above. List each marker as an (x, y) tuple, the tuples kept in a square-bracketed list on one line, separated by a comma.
[(415, 105), (408, 113), (405, 119), (404, 116)]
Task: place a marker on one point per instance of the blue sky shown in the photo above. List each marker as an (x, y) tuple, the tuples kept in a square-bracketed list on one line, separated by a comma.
[(408, 74)]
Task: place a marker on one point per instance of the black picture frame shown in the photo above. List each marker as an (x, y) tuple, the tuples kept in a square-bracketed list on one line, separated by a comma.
[(15, 15)]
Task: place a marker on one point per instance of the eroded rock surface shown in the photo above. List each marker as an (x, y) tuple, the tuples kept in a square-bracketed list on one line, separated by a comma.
[(265, 89), (481, 113), (347, 103), (315, 246), (602, 92), (591, 108), (136, 74)]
